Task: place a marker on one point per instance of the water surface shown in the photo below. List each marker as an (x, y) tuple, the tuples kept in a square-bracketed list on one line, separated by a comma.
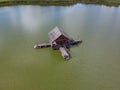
[(95, 64)]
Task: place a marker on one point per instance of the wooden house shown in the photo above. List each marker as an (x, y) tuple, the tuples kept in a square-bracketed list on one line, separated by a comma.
[(58, 38)]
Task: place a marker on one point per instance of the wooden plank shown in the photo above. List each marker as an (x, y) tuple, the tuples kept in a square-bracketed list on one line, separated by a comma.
[(42, 45), (64, 53)]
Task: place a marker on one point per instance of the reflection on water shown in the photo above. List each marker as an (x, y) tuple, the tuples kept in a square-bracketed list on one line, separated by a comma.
[(94, 64)]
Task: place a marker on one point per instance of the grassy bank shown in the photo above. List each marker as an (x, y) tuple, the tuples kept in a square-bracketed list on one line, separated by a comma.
[(58, 2), (101, 2), (35, 2)]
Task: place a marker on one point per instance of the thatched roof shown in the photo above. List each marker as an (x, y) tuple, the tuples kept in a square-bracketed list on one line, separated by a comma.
[(56, 33)]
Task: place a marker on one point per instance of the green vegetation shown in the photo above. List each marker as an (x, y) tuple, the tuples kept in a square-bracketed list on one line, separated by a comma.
[(59, 2), (104, 2)]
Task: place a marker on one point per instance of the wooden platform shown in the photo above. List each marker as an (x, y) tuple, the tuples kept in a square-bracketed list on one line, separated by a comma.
[(64, 53), (73, 42), (42, 45), (59, 40)]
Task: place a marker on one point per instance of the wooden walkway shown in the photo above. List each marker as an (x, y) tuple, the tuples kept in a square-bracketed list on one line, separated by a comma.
[(62, 49), (42, 45), (73, 42), (64, 53)]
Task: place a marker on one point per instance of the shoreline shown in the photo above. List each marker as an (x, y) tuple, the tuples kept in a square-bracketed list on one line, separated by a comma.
[(56, 3)]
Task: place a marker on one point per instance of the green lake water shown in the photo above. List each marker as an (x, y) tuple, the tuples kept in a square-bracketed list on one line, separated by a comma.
[(95, 64)]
